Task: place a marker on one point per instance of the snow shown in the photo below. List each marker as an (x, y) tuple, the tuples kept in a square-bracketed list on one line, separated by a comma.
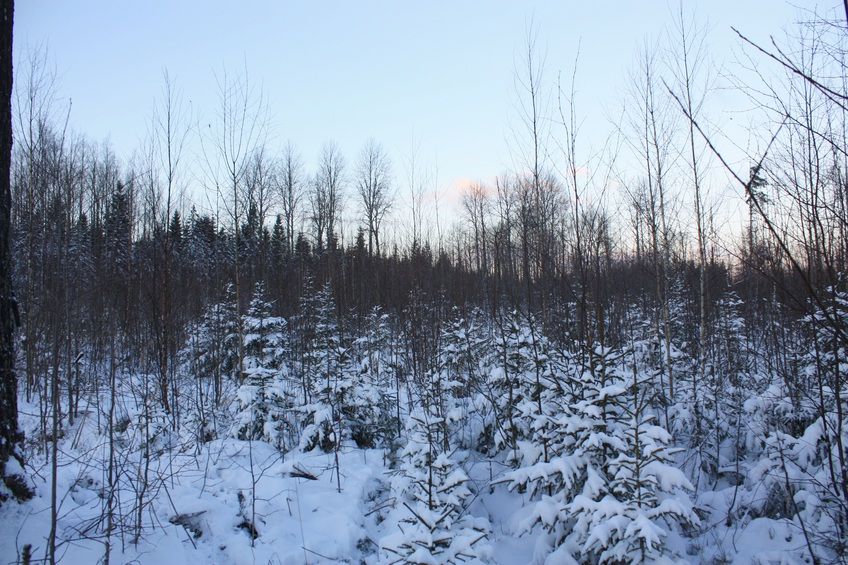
[(586, 474), (298, 520), (204, 497)]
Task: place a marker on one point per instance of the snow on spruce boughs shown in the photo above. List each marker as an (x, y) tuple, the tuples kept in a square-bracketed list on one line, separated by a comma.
[(797, 432), (610, 492), (264, 400), (462, 360), (326, 373), (371, 407), (432, 493), (511, 387)]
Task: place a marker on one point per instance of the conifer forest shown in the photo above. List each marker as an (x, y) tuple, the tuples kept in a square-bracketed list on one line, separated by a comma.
[(226, 351)]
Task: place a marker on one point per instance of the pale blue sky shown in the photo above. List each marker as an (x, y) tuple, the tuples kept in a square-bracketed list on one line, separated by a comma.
[(346, 71)]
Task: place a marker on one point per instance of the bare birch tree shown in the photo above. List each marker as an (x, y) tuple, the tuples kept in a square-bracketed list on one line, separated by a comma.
[(376, 192), (290, 184)]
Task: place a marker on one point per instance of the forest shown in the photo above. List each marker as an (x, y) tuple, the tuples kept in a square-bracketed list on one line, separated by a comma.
[(628, 355)]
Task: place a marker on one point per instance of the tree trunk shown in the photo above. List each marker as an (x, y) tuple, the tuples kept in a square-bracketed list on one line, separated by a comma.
[(9, 433)]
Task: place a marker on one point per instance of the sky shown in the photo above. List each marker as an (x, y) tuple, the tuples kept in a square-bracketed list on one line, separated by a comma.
[(437, 75)]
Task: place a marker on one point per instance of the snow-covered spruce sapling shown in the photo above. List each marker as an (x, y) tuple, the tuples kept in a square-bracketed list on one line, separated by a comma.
[(433, 493), (262, 397), (328, 360), (611, 495), (639, 502), (799, 432), (462, 349), (508, 388), (211, 358), (578, 465), (371, 406)]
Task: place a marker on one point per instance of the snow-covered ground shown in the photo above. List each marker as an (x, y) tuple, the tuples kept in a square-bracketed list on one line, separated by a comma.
[(200, 505), (205, 501)]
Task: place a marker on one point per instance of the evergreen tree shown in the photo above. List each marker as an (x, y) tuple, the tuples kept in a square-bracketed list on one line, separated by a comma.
[(373, 406), (278, 240), (798, 431), (326, 362), (507, 389), (610, 492), (462, 352), (645, 501), (214, 346), (434, 493), (264, 400)]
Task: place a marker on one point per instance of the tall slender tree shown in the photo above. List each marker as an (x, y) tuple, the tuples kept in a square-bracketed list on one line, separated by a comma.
[(327, 195), (10, 435), (239, 133)]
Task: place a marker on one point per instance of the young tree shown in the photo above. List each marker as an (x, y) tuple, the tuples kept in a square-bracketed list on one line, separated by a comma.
[(239, 132), (168, 134), (327, 360), (692, 84), (531, 162), (417, 182), (373, 407), (653, 139), (35, 86), (434, 492), (263, 400)]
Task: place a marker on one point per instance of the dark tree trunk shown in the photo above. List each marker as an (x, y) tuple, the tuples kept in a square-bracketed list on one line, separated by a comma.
[(9, 319)]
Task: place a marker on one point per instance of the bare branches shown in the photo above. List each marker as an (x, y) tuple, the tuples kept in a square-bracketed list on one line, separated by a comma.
[(783, 60), (374, 183), (290, 184), (327, 194), (755, 198)]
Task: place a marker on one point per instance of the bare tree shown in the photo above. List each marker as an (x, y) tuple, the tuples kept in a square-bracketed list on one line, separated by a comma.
[(376, 193), (531, 155), (327, 195), (240, 129), (169, 129), (290, 184), (417, 190), (652, 140), (475, 202), (692, 82), (259, 197)]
